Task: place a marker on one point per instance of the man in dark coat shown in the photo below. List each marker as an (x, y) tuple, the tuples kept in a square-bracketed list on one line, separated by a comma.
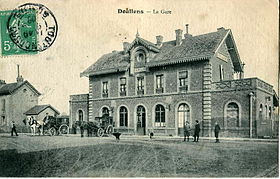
[(13, 125), (217, 130), (187, 129), (196, 131), (45, 121)]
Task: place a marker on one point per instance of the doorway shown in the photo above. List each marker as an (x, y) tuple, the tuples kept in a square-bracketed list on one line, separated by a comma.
[(183, 116), (141, 120)]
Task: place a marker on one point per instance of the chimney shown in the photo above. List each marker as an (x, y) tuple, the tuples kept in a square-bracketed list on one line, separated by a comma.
[(2, 82), (187, 28), (187, 31), (19, 77), (241, 74), (178, 36), (159, 40), (125, 46)]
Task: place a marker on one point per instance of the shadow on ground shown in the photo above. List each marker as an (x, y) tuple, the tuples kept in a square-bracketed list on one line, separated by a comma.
[(132, 159)]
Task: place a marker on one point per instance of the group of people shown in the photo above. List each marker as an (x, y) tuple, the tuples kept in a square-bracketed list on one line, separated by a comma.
[(33, 124), (187, 131)]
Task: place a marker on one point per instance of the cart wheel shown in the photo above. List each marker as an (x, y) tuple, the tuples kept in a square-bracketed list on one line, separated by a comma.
[(109, 130), (100, 132), (63, 129), (52, 131), (46, 132)]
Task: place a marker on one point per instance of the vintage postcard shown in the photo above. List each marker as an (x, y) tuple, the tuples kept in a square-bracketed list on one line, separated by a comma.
[(150, 88)]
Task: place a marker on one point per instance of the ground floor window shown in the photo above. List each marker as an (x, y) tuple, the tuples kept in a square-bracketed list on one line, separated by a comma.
[(123, 117), (81, 115), (269, 112), (232, 115), (2, 120), (159, 116), (261, 112), (105, 111)]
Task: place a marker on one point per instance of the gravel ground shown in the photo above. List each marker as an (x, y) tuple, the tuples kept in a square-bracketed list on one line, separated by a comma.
[(64, 156)]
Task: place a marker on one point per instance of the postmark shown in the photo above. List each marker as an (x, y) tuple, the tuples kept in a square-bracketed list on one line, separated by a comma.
[(32, 27)]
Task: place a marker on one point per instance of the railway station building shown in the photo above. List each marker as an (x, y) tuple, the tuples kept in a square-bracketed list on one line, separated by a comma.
[(156, 86)]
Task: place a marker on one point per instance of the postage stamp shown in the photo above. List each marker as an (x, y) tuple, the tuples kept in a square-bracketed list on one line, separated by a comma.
[(28, 29), (8, 47)]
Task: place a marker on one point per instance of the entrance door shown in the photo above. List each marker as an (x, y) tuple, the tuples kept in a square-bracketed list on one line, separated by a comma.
[(183, 116), (141, 120)]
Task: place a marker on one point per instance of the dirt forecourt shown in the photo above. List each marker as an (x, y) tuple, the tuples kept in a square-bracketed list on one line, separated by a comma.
[(73, 156)]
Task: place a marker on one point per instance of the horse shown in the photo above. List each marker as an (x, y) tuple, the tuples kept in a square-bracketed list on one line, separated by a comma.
[(33, 124)]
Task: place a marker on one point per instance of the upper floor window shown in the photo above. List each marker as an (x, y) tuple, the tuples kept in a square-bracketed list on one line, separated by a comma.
[(105, 89), (123, 86), (221, 73), (159, 83), (159, 116), (183, 81), (140, 85), (3, 104), (140, 56), (123, 117)]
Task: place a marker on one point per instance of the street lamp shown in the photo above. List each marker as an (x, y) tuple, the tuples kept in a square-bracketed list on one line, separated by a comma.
[(252, 96)]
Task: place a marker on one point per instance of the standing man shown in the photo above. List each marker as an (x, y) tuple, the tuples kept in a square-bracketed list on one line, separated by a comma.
[(196, 131), (13, 125), (45, 121), (187, 129), (82, 128), (217, 130)]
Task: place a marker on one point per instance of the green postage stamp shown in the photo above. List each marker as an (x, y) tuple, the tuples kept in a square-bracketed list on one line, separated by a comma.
[(24, 28), (29, 29)]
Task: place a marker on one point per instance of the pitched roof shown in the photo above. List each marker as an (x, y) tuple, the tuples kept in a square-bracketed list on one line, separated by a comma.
[(144, 42), (38, 109), (193, 48), (7, 89)]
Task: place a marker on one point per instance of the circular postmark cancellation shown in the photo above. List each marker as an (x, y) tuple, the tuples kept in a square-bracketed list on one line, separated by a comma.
[(32, 27)]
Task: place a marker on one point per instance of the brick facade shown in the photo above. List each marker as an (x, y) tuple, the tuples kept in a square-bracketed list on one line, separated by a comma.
[(154, 92)]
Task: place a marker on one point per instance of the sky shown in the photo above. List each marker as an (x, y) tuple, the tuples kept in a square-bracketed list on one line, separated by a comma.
[(90, 28)]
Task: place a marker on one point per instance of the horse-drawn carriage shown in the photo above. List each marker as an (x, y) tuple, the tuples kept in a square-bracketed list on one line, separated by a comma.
[(55, 126), (51, 126), (98, 127)]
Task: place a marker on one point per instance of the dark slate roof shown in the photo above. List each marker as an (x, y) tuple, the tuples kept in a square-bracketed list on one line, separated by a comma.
[(193, 48), (38, 109), (7, 89)]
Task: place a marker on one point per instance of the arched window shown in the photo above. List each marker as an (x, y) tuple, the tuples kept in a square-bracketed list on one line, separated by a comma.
[(105, 111), (81, 115), (266, 112), (183, 114), (140, 56), (261, 112), (232, 115), (123, 116), (269, 112), (160, 115)]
